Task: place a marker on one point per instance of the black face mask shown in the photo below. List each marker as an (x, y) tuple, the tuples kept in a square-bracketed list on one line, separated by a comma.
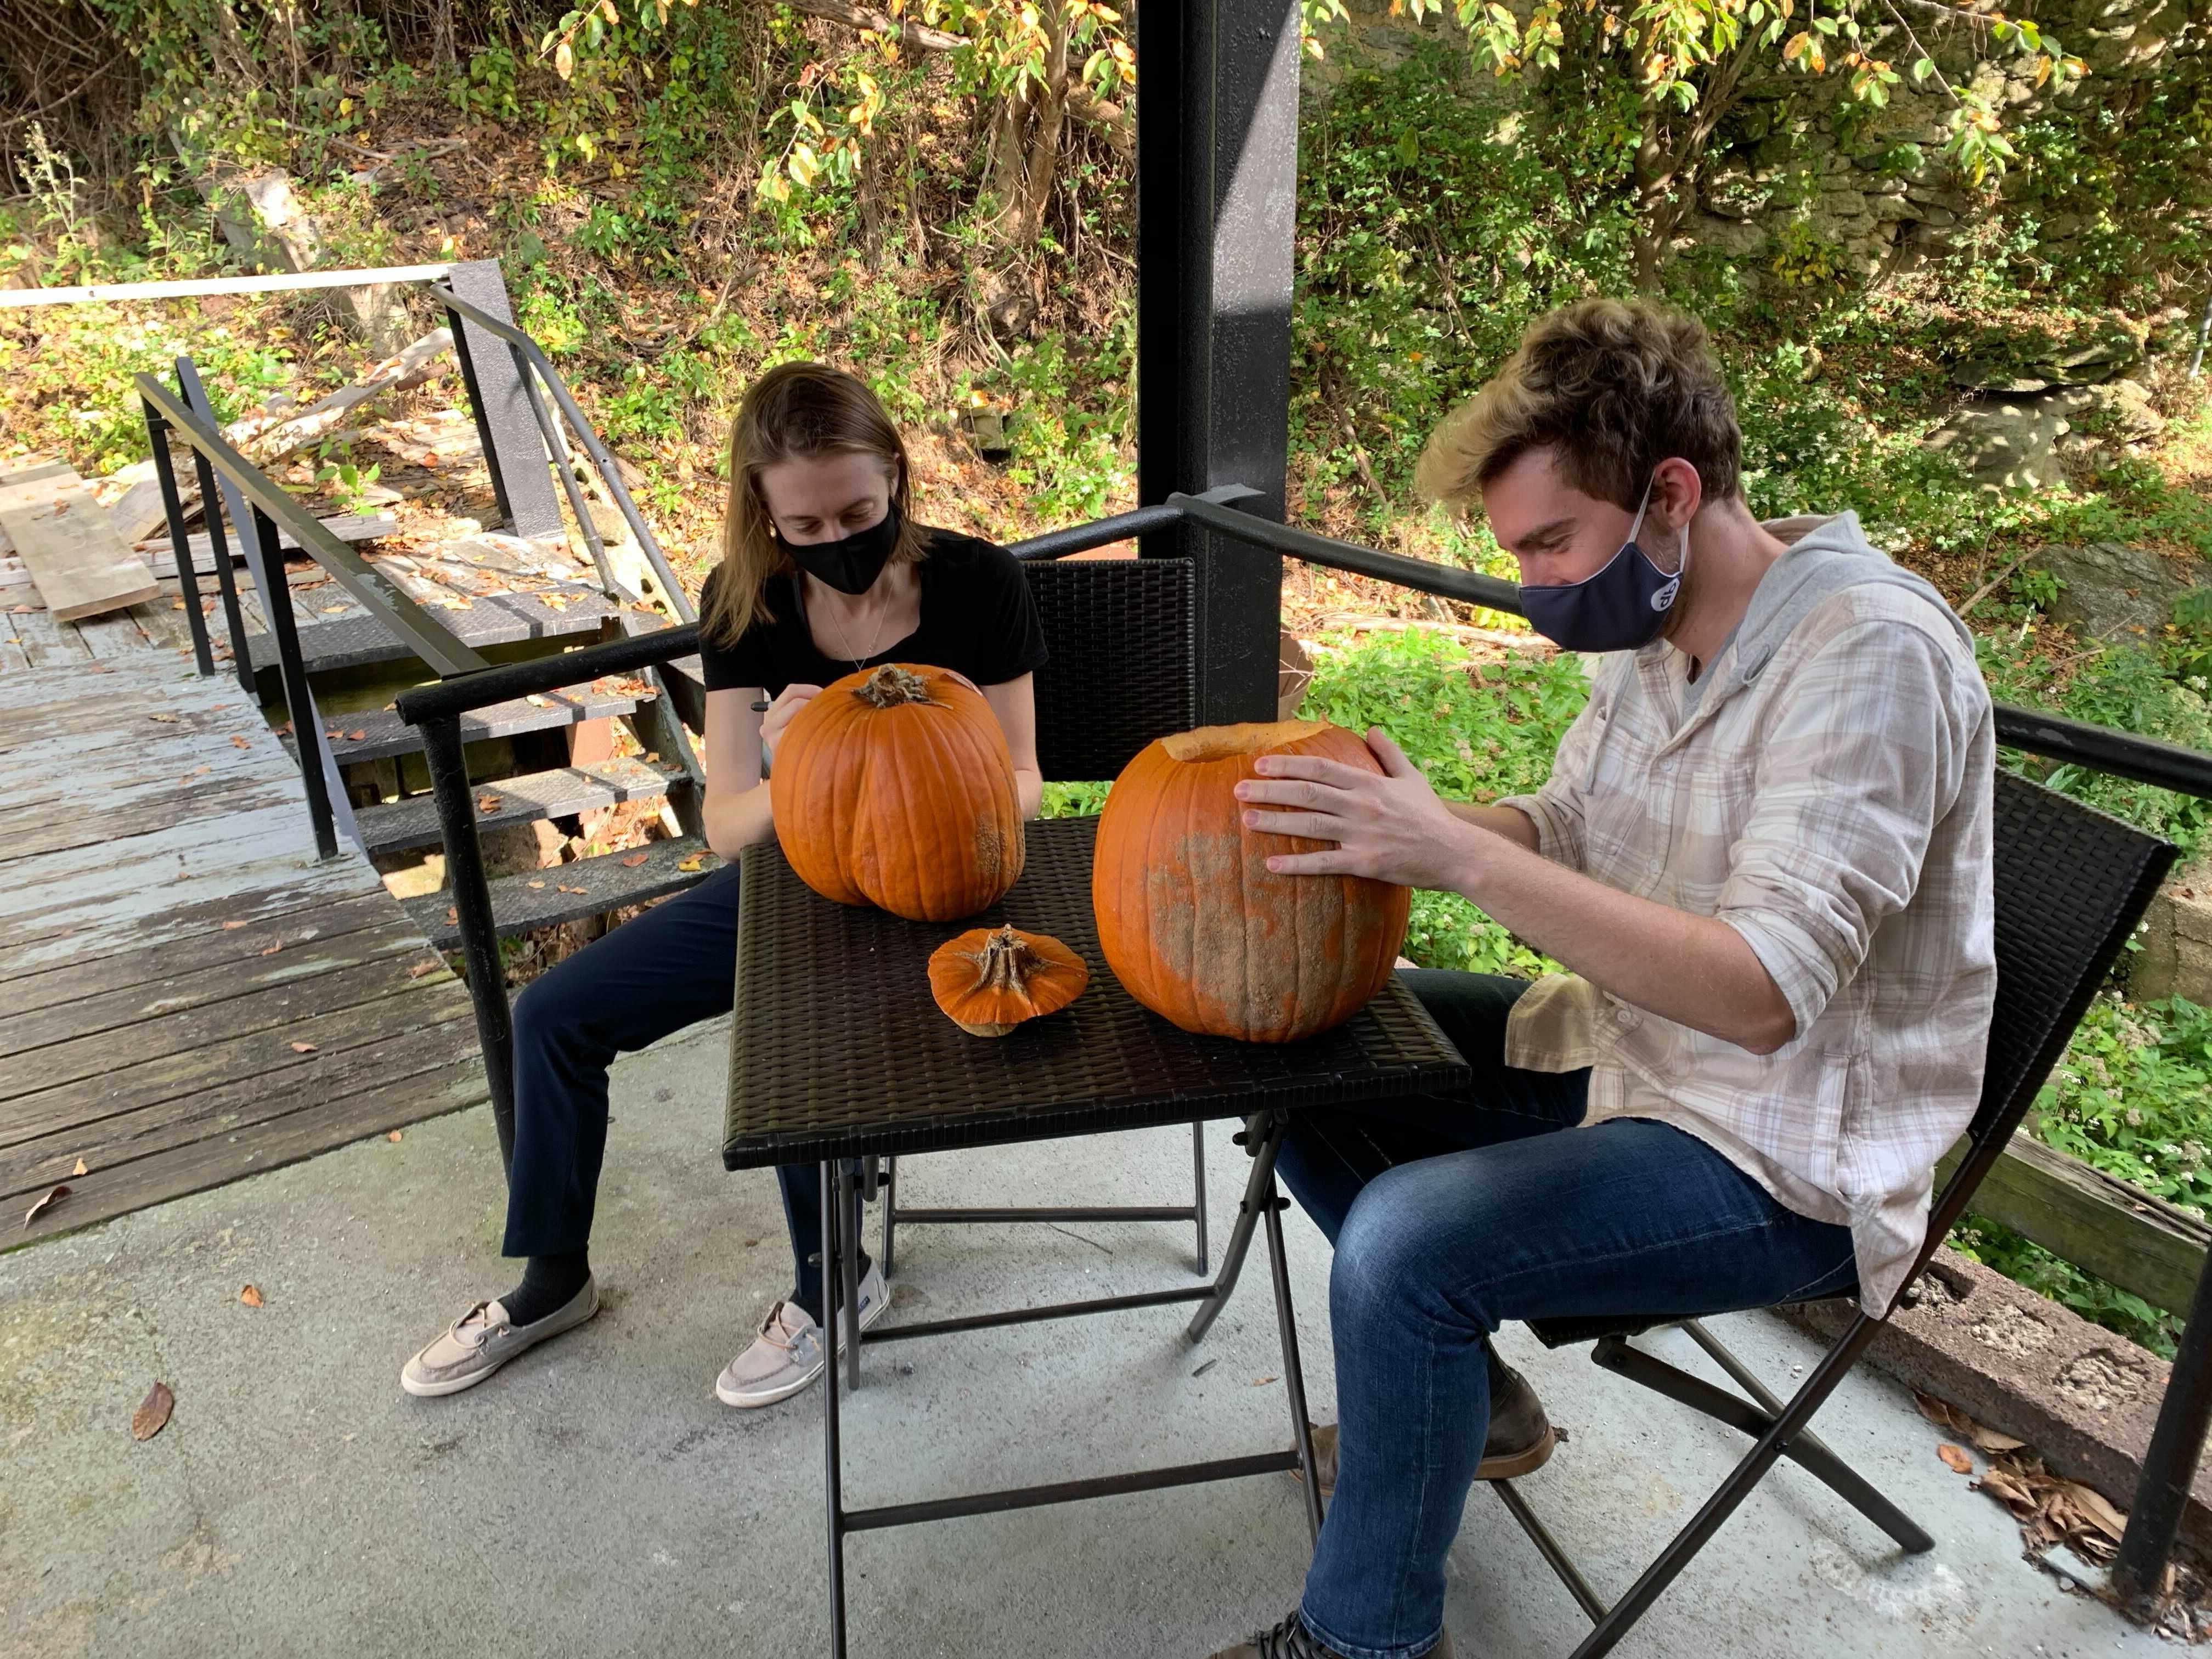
[(852, 564)]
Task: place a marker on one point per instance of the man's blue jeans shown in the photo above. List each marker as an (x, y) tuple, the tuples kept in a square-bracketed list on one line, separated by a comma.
[(1451, 1214)]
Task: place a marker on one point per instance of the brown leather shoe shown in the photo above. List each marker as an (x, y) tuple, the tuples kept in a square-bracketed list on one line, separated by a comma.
[(1520, 1441)]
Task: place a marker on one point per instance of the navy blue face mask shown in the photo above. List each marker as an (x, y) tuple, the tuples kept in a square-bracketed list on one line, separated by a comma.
[(1622, 606), (852, 563)]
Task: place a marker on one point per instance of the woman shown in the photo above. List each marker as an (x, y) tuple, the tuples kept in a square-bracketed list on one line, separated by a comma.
[(823, 573)]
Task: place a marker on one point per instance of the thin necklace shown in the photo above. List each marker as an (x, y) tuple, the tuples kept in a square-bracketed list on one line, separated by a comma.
[(845, 640)]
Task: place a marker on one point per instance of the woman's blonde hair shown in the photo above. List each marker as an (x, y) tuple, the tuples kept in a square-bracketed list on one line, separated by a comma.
[(794, 410), (1614, 387)]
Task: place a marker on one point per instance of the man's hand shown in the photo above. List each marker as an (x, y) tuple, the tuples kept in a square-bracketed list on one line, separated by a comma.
[(1392, 828)]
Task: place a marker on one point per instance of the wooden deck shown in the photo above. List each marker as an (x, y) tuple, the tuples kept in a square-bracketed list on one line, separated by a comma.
[(187, 995)]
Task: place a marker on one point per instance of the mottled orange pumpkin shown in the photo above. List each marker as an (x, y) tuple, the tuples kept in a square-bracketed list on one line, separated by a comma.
[(1195, 925), (893, 787), (990, 980)]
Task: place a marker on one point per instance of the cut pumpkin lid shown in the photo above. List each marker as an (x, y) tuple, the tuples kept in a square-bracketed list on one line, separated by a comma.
[(1214, 743)]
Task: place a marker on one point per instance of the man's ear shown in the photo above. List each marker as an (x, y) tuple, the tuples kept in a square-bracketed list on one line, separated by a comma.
[(1677, 492)]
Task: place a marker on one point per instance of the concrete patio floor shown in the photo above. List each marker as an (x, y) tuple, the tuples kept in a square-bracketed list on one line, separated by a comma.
[(594, 1498)]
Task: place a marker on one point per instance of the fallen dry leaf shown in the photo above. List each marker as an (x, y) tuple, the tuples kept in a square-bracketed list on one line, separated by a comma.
[(1261, 1382), (536, 885), (579, 891), (274, 948), (693, 865), (153, 1413), (1958, 1459), (54, 1195), (355, 737), (250, 1297), (239, 742), (166, 720), (332, 609), (394, 1135), (82, 1168), (1950, 1417), (491, 803), (2100, 1513), (334, 735), (452, 916), (537, 701), (635, 859), (303, 1048), (232, 926), (423, 970)]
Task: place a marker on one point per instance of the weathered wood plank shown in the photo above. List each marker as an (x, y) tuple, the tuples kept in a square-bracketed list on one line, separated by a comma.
[(152, 860), (108, 834), (134, 910), (81, 568), (92, 972), (2098, 1222), (346, 527), (129, 1015), (239, 1104), (45, 641), (212, 1163), (387, 1019)]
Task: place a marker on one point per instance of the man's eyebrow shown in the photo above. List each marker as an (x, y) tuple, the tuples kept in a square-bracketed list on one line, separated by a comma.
[(1543, 532)]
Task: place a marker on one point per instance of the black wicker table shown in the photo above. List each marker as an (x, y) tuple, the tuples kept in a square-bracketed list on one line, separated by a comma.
[(839, 1056)]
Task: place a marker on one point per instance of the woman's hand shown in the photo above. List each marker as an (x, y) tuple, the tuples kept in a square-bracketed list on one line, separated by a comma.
[(781, 712), (1392, 828)]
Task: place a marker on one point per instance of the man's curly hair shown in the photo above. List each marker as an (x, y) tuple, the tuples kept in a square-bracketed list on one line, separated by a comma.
[(1614, 387)]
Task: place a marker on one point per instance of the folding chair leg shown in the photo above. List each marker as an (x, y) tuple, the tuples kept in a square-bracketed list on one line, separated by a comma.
[(1287, 1332), (834, 1501), (890, 1211), (1198, 1188), (849, 1214), (1804, 1449), (1262, 1135), (1765, 1452)]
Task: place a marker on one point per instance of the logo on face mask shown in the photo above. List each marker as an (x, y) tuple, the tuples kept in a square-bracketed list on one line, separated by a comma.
[(1623, 606), (852, 563)]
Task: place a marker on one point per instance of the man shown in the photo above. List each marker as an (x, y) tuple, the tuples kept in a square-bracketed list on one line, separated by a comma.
[(1763, 853)]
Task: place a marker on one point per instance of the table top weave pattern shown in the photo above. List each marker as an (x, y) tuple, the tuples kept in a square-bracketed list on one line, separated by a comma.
[(838, 1050)]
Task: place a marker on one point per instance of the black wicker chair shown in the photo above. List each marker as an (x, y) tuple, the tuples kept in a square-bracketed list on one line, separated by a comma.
[(1122, 635), (2072, 884)]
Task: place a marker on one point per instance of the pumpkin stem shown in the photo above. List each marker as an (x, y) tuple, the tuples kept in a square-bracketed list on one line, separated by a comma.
[(1006, 962), (891, 685)]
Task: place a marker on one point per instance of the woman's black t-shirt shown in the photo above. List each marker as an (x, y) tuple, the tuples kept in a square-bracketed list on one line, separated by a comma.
[(978, 618)]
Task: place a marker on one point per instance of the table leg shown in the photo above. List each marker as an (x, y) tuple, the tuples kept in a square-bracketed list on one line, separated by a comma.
[(834, 1503), (849, 1211), (890, 1214), (1198, 1188), (1267, 1127), (1286, 1329)]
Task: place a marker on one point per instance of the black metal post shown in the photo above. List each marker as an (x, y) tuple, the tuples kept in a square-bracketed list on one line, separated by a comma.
[(465, 875), (226, 581), (2169, 1469), (172, 508), (1217, 198), (299, 700), (834, 1504)]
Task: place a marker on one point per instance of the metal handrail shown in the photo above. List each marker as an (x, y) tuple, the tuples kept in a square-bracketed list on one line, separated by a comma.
[(415, 627), (268, 507), (530, 356)]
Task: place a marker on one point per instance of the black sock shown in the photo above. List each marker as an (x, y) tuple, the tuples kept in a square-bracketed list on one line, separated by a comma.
[(549, 1283), (806, 1297)]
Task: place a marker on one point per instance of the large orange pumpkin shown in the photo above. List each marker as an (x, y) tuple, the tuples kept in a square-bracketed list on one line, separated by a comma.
[(1193, 923), (893, 787)]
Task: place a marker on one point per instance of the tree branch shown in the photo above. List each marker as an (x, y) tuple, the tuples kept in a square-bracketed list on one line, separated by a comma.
[(906, 31), (1111, 118)]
